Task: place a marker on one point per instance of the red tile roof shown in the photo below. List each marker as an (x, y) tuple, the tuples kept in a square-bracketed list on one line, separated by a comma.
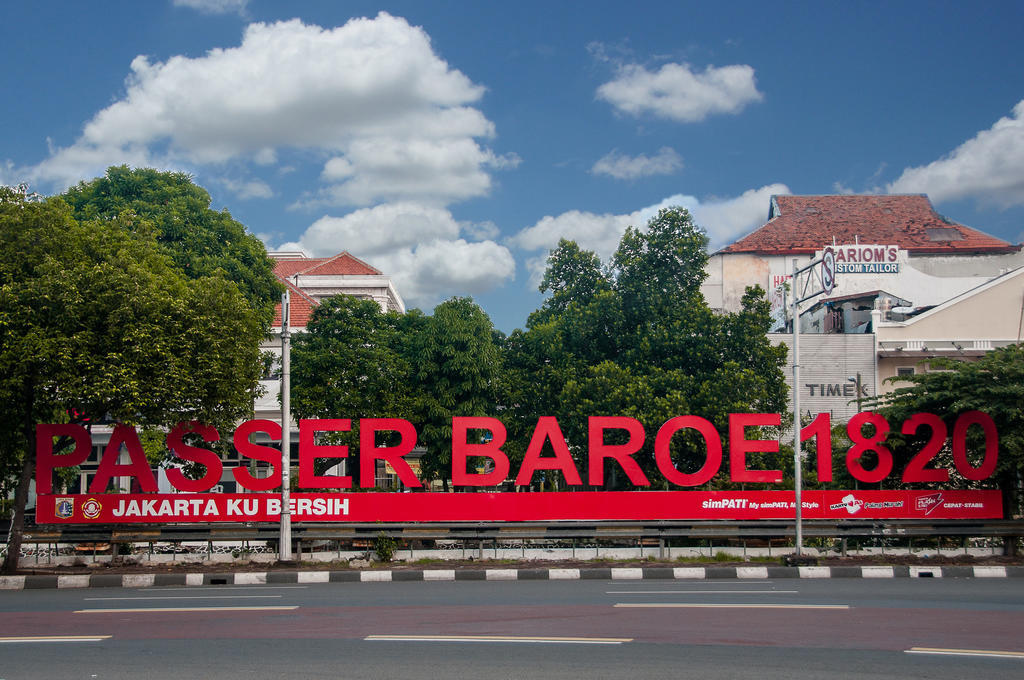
[(342, 264), (301, 307), (801, 225)]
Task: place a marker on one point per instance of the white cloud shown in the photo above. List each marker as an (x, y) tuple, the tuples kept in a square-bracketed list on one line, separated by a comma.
[(214, 6), (395, 119), (989, 167), (250, 189), (422, 247), (432, 271), (621, 166), (678, 93), (377, 230), (722, 218)]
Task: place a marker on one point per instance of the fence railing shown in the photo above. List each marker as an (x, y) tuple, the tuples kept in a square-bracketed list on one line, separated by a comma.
[(658, 533)]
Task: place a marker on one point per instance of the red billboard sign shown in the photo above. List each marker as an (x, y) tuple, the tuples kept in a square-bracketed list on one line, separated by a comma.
[(518, 507), (868, 460)]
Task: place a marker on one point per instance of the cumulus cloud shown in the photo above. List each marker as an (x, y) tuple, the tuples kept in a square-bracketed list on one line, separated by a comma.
[(422, 247), (722, 218), (248, 189), (677, 93), (988, 167), (214, 6), (396, 121), (621, 166)]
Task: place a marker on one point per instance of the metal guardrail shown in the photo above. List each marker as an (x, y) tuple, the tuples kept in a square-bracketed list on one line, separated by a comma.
[(499, 532)]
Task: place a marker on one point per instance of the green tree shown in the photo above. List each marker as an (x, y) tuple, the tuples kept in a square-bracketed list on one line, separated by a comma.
[(349, 364), (200, 241), (456, 371), (994, 384), (639, 340), (97, 321)]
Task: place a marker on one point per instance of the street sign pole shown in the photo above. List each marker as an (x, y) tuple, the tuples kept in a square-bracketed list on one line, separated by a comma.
[(285, 539), (827, 278)]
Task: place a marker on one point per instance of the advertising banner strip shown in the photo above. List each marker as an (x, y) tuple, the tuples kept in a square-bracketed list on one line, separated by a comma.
[(516, 507)]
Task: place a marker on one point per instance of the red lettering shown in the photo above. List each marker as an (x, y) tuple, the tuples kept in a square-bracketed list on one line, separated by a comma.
[(462, 450), (622, 454), (194, 454), (663, 451), (740, 446), (547, 428), (46, 460), (266, 454), (309, 451), (137, 467), (892, 252), (370, 453)]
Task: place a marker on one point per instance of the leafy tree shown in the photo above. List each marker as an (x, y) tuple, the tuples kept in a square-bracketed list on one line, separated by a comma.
[(177, 212), (456, 371), (348, 364), (97, 321), (994, 384), (639, 340)]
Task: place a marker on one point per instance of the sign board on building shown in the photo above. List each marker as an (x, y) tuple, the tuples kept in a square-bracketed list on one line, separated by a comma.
[(863, 258)]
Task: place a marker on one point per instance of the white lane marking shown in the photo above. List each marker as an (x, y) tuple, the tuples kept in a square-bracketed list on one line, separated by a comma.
[(696, 605), (56, 638), (703, 592), (160, 610), (185, 597), (965, 652), (498, 638)]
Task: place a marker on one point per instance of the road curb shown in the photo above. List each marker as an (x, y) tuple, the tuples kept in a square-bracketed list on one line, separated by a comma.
[(49, 581)]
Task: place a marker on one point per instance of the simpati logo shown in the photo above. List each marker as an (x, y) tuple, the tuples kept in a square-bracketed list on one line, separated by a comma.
[(929, 503), (851, 503), (91, 508)]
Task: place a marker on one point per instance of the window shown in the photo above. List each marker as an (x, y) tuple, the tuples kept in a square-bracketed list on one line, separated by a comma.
[(904, 371)]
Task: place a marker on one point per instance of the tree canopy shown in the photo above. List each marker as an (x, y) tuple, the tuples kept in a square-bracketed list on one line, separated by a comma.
[(98, 322), (637, 339), (177, 213), (993, 384)]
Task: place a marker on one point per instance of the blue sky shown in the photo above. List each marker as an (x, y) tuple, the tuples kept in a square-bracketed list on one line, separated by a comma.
[(452, 143)]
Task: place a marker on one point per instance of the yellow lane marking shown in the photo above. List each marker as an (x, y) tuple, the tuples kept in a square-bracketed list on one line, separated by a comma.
[(965, 652), (673, 605), (56, 638), (499, 638), (151, 610)]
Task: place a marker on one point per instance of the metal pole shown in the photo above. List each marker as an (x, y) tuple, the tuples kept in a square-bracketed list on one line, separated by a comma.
[(285, 540), (797, 471)]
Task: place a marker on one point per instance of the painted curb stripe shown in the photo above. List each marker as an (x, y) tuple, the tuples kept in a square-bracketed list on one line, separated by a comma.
[(615, 573)]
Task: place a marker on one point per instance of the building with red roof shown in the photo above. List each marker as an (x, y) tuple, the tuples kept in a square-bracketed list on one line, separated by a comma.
[(309, 281), (893, 243), (910, 284)]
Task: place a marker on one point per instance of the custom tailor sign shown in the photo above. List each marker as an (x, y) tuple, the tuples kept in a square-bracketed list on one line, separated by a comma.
[(194, 505)]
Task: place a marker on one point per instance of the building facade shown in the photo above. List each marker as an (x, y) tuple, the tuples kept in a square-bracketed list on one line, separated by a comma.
[(910, 285)]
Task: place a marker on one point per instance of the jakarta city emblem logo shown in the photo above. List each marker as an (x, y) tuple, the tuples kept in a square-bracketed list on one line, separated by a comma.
[(64, 508), (91, 508)]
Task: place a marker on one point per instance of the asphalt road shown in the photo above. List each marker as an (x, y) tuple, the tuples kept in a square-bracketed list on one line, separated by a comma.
[(835, 629)]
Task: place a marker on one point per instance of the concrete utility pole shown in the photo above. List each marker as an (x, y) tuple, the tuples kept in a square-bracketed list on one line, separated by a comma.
[(827, 279), (285, 540)]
